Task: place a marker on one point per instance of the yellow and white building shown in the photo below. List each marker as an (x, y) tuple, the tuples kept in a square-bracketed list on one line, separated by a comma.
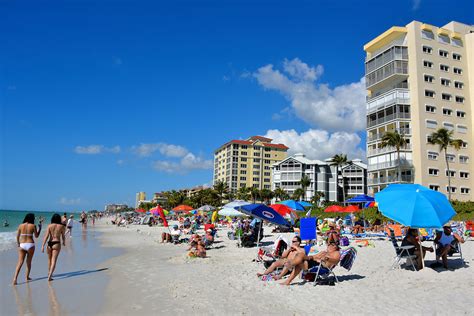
[(247, 163), (420, 78)]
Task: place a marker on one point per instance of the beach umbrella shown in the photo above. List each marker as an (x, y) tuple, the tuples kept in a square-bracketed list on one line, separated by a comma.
[(194, 212), (156, 210), (305, 204), (236, 203), (265, 213), (206, 208), (363, 198), (229, 211), (334, 208), (281, 209), (140, 210), (297, 206), (414, 205), (351, 209), (370, 204), (183, 208)]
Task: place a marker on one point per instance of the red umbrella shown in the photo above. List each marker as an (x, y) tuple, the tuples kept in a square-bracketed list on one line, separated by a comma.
[(334, 208), (183, 208), (140, 210), (281, 209), (351, 209)]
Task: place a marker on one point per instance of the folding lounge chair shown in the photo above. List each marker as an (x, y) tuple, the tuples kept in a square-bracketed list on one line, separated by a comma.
[(308, 230), (401, 252), (456, 249), (397, 231), (274, 251)]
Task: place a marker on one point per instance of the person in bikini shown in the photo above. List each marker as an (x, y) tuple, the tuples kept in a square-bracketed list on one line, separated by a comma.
[(26, 244), (54, 235), (291, 253)]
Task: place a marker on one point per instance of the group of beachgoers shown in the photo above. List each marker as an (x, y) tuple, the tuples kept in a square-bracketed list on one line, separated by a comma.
[(54, 239)]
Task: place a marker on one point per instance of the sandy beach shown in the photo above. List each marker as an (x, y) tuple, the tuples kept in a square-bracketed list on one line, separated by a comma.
[(153, 278)]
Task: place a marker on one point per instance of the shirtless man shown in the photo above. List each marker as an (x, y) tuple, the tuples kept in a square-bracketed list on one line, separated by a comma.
[(328, 259), (290, 254)]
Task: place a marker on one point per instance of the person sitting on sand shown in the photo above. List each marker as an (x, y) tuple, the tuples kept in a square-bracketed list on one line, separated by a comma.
[(446, 240), (174, 233), (411, 239), (332, 235), (197, 250), (289, 254), (328, 259)]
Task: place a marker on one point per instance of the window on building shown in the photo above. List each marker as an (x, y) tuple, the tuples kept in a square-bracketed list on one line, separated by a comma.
[(457, 71), (243, 178), (427, 64), (464, 144), (444, 67), (266, 180), (267, 174), (458, 85), (464, 174), (447, 111), (459, 99), (443, 39), (267, 155), (432, 155), (457, 42), (256, 179), (465, 190), (434, 187), (427, 35), (427, 49), (451, 172), (266, 186), (433, 171), (463, 159), (445, 82), (266, 161), (243, 165), (430, 108), (456, 56), (244, 147), (429, 78), (446, 96), (443, 53), (429, 93), (431, 124), (256, 166), (461, 114), (462, 129), (450, 157), (449, 126), (243, 153), (453, 189), (256, 173)]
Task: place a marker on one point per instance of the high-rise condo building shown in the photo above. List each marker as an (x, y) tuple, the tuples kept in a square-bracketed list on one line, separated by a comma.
[(247, 163), (139, 197), (421, 78)]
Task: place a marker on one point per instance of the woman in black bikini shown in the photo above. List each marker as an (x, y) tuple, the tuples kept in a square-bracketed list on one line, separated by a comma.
[(53, 236)]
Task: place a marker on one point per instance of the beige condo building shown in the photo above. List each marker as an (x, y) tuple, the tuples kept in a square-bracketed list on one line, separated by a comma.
[(247, 163), (421, 78)]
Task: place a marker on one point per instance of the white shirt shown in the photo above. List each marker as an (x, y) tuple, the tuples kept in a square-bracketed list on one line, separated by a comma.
[(70, 222)]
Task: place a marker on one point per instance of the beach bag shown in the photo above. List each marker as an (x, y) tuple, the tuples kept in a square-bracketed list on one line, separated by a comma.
[(344, 241)]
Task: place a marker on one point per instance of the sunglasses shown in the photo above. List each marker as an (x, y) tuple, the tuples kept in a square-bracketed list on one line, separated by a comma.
[(295, 241)]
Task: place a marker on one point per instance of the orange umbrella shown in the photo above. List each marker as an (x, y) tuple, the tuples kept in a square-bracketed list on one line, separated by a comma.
[(183, 208), (351, 209), (334, 208)]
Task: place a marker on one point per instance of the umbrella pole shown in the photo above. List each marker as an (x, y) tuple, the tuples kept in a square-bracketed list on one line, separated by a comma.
[(421, 251), (258, 235)]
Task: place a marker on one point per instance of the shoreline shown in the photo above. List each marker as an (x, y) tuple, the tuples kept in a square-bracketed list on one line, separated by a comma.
[(150, 278)]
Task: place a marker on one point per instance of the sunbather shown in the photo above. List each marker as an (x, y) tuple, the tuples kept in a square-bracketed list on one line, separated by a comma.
[(446, 241), (174, 233), (197, 250), (289, 254), (411, 239), (332, 235), (328, 259)]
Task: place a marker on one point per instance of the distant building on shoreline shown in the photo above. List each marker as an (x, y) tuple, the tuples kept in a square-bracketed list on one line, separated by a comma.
[(287, 175), (247, 163), (115, 207), (139, 198), (420, 78)]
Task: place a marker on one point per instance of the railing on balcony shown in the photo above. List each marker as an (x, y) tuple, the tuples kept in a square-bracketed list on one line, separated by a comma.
[(391, 179), (378, 136), (396, 96), (371, 123), (396, 67), (378, 151), (389, 164)]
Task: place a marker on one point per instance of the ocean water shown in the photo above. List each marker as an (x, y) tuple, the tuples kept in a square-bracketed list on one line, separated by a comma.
[(15, 218)]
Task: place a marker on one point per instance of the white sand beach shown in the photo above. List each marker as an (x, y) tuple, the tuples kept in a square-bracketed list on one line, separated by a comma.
[(152, 278)]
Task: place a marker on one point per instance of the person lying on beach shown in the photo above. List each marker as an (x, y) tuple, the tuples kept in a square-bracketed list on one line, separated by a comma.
[(446, 240), (197, 250), (291, 253), (411, 239), (328, 259)]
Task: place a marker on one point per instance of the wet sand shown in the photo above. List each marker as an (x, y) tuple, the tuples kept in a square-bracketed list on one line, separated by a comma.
[(79, 282)]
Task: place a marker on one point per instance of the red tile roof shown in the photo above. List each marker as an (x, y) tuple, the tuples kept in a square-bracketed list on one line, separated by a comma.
[(247, 142), (281, 146)]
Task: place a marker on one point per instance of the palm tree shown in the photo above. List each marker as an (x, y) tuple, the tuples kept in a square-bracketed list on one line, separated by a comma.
[(221, 188), (243, 193), (280, 194), (317, 197), (297, 194), (254, 194), (444, 139), (394, 139), (305, 182), (266, 195), (339, 161)]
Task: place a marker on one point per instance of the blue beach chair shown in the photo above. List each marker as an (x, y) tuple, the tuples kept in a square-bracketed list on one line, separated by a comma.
[(308, 230)]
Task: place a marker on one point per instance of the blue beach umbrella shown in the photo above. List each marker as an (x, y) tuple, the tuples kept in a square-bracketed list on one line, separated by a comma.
[(297, 206), (361, 199), (414, 205), (265, 213)]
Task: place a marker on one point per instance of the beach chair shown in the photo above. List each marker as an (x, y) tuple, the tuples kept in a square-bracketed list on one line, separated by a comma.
[(469, 230), (397, 230), (401, 252), (456, 249), (308, 230)]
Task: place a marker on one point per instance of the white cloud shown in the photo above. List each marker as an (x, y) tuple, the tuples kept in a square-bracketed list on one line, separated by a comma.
[(319, 144), (339, 108), (188, 163), (96, 149), (66, 201), (168, 150)]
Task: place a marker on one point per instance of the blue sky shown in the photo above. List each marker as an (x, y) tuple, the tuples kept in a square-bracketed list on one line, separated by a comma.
[(101, 99)]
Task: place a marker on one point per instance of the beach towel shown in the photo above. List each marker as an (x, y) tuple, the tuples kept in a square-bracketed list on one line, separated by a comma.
[(347, 258)]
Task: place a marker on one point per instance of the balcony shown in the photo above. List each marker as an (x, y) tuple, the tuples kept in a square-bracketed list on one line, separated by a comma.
[(379, 151), (389, 164), (391, 73), (378, 136), (391, 179), (388, 118), (396, 96)]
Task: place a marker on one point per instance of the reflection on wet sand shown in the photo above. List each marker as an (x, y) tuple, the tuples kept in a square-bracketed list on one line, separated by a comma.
[(25, 306), (54, 306)]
